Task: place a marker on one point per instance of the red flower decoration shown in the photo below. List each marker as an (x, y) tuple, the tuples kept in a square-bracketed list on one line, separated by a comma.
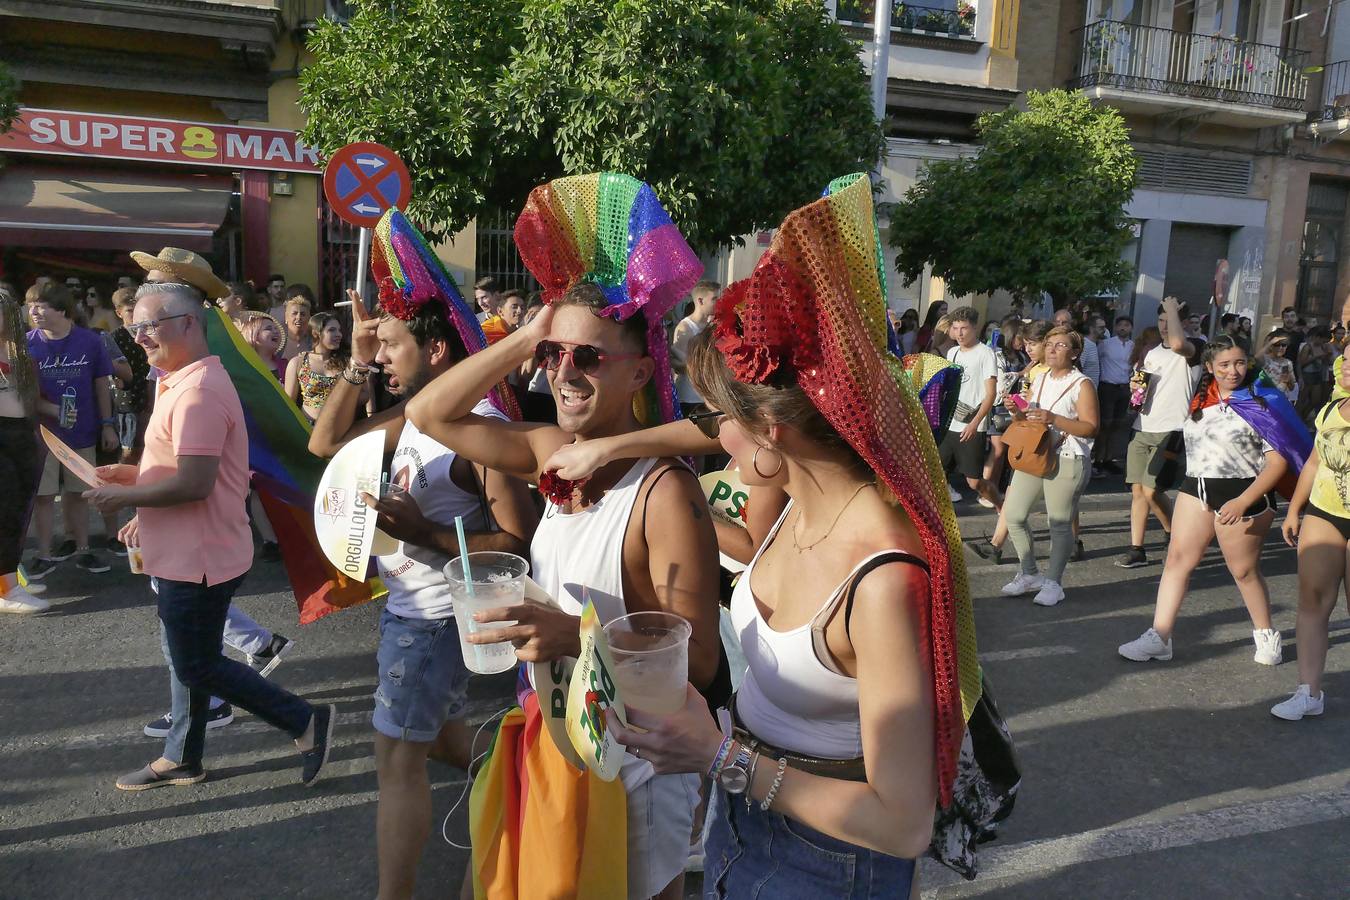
[(394, 302), (558, 489)]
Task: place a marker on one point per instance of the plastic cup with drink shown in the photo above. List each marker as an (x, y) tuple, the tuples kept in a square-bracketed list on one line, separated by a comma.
[(651, 660), (480, 582)]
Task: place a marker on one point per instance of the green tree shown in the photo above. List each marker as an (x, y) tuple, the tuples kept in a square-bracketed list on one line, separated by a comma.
[(734, 112), (9, 99), (1040, 208)]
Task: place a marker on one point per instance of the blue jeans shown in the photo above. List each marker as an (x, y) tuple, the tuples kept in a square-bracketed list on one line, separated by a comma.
[(750, 855), (193, 619)]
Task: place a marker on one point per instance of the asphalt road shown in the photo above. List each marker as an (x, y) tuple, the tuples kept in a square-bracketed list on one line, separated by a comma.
[(1157, 780)]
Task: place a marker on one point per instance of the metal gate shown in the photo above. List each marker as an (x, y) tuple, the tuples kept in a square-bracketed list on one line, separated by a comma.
[(338, 242), (495, 253)]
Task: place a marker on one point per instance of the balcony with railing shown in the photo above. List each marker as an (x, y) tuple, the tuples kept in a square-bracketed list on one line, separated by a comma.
[(956, 21), (1153, 70)]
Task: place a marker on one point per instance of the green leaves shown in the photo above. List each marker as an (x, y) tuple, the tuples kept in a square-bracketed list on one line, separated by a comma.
[(9, 98), (1041, 208), (734, 112)]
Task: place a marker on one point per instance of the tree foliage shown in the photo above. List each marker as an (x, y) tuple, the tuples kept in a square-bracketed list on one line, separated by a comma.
[(9, 98), (734, 112), (1039, 209)]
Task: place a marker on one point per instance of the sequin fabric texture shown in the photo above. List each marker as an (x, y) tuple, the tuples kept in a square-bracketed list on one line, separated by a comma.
[(611, 230), (409, 274), (815, 304)]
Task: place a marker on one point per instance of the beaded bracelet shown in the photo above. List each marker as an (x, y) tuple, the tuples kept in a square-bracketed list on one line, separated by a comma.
[(773, 789), (355, 374), (720, 758)]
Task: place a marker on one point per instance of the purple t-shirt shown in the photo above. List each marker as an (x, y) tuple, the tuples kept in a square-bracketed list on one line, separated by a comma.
[(74, 361)]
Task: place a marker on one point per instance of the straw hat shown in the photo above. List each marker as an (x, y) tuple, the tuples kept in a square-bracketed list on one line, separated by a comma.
[(186, 265)]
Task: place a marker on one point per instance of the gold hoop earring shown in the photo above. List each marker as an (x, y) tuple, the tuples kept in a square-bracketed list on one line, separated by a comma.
[(754, 464)]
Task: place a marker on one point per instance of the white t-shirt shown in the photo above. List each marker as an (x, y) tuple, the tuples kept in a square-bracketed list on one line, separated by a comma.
[(685, 332), (1223, 445), (1172, 382), (978, 365), (414, 575)]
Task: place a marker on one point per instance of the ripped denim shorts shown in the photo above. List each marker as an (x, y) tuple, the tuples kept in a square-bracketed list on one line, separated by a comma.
[(423, 680)]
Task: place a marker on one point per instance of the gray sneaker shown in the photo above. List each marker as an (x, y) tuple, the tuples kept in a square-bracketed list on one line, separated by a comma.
[(1148, 645)]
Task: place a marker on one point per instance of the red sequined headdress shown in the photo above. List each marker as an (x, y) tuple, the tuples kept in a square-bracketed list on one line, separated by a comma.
[(815, 305)]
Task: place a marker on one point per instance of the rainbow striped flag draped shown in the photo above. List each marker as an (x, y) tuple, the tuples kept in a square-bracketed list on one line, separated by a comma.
[(1271, 416), (285, 475)]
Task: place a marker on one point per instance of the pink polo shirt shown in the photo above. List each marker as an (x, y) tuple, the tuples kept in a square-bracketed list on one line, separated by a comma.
[(197, 413)]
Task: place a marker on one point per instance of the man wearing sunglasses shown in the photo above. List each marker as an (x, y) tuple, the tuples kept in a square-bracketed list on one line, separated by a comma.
[(189, 492), (419, 715), (636, 534)]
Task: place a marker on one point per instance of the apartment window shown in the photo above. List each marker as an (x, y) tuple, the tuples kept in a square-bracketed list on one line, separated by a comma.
[(1323, 230)]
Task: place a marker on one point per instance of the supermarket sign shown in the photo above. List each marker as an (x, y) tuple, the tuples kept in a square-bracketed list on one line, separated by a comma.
[(66, 133)]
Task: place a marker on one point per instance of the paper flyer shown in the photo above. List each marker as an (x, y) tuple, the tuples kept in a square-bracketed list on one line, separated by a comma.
[(593, 690), (343, 523), (727, 495), (76, 464)]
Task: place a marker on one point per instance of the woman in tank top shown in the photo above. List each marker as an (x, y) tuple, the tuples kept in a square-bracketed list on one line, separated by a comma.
[(311, 374), (826, 785), (1318, 524), (1063, 399)]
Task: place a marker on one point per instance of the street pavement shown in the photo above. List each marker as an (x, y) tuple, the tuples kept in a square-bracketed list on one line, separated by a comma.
[(1150, 780)]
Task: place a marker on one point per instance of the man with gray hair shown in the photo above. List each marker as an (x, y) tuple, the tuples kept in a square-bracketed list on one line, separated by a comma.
[(191, 526)]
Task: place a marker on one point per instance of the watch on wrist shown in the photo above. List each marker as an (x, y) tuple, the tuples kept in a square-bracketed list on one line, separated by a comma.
[(734, 777)]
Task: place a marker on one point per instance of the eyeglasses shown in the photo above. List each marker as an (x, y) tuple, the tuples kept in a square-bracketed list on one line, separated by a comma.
[(710, 423), (585, 358), (1058, 345), (150, 327)]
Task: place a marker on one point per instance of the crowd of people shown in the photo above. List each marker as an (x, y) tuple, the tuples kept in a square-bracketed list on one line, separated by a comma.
[(594, 491)]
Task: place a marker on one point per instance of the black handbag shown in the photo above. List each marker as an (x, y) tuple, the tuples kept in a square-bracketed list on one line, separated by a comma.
[(984, 792)]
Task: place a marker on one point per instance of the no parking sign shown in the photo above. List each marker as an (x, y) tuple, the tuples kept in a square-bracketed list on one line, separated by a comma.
[(363, 180)]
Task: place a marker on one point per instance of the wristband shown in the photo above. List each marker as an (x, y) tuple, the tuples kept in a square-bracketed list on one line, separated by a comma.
[(720, 758), (356, 375), (109, 422)]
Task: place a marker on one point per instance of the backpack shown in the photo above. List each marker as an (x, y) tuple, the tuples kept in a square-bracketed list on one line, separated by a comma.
[(1032, 448)]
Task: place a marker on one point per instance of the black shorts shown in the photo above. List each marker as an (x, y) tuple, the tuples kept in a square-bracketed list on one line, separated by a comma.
[(1342, 524), (1215, 492), (967, 457)]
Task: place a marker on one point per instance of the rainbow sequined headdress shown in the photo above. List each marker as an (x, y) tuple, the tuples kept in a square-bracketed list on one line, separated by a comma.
[(409, 275), (815, 306), (611, 230)]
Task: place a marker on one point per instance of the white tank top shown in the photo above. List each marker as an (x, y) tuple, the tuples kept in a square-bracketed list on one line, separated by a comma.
[(1060, 396), (415, 575), (789, 698)]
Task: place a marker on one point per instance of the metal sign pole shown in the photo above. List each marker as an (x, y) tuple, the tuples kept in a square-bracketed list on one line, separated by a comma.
[(362, 264)]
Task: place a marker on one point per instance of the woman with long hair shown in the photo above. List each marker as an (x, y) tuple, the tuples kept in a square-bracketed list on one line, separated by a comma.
[(1318, 524), (1274, 362), (1012, 358), (98, 311), (930, 321), (836, 733), (908, 332), (1228, 492), (1064, 400), (20, 466), (311, 374)]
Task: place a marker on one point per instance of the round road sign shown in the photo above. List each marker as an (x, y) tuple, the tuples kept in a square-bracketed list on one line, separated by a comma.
[(363, 180)]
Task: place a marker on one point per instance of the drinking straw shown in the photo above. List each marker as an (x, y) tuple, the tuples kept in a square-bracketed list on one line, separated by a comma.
[(464, 555)]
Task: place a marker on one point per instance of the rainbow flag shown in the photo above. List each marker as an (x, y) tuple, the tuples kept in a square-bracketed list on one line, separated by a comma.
[(540, 828), (285, 475)]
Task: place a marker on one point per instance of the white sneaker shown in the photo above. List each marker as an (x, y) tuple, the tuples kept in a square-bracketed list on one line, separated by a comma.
[(1148, 645), (1299, 705), (955, 494), (1268, 641), (985, 503), (1024, 584), (1049, 595), (19, 601)]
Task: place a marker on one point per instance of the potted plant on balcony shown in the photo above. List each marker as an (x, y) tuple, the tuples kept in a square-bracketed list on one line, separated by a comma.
[(935, 21), (965, 18), (902, 16)]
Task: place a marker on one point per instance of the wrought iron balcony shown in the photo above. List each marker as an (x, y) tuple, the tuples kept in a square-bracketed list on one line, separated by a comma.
[(1336, 91), (1146, 60), (956, 22)]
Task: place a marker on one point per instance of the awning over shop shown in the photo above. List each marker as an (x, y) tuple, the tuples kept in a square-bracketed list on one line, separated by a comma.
[(110, 209)]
